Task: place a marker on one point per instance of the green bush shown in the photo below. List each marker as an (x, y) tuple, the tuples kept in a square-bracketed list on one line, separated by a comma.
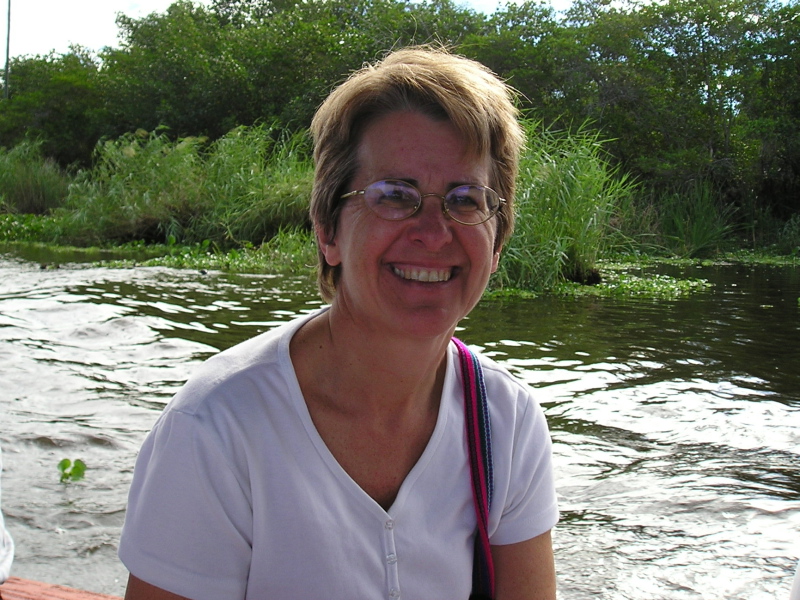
[(142, 187), (30, 183), (693, 223), (789, 237), (567, 194), (254, 186), (241, 189)]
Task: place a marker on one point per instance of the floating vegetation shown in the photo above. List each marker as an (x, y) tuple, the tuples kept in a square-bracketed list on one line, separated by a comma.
[(292, 251), (71, 471)]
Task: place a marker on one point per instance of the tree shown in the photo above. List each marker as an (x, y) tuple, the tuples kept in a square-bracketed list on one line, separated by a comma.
[(177, 70), (770, 135), (56, 99)]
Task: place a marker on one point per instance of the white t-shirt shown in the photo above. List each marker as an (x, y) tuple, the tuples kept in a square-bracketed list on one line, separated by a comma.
[(6, 543), (795, 593), (235, 495)]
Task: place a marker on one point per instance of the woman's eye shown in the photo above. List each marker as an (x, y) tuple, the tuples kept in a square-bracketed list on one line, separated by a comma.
[(463, 202), (398, 197)]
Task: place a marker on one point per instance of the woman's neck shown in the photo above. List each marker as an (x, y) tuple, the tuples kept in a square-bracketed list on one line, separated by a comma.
[(373, 370)]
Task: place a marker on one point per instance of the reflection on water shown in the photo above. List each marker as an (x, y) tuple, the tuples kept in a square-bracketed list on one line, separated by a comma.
[(675, 423)]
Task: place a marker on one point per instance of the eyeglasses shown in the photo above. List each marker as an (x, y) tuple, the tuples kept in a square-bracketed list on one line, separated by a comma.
[(395, 200)]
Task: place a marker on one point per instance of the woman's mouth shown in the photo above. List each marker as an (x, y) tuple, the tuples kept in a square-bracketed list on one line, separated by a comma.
[(423, 275)]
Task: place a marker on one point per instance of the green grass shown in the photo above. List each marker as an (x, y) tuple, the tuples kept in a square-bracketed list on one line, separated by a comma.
[(693, 223), (254, 186), (567, 194), (141, 187), (241, 189), (29, 182), (290, 251), (241, 204)]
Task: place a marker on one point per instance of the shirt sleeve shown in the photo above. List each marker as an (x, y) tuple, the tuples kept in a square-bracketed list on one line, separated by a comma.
[(524, 504), (188, 526)]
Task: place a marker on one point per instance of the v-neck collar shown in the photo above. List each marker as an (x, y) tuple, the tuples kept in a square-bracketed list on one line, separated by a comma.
[(347, 482)]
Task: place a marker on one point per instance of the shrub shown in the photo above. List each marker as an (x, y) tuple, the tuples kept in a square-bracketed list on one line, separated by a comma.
[(142, 187), (239, 190), (567, 194), (30, 183), (693, 223), (255, 185)]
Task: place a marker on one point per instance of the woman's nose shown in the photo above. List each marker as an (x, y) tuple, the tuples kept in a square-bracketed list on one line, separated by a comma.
[(431, 225)]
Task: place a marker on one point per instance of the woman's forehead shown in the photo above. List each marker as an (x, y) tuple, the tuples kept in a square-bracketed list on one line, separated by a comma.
[(411, 146)]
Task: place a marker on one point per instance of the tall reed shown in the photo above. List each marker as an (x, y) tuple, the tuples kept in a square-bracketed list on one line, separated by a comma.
[(693, 223), (567, 194), (239, 190), (142, 187), (256, 182), (30, 183)]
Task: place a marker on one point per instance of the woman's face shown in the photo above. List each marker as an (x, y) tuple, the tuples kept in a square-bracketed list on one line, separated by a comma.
[(418, 276)]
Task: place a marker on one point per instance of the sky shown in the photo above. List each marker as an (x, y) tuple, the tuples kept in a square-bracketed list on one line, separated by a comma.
[(39, 26)]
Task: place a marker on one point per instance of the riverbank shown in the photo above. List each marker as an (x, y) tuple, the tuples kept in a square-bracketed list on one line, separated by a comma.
[(293, 254)]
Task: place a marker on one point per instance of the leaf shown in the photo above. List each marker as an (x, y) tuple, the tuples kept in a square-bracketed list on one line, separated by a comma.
[(71, 471), (78, 470)]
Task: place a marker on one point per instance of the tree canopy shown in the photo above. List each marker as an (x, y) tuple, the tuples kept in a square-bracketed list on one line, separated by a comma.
[(684, 90)]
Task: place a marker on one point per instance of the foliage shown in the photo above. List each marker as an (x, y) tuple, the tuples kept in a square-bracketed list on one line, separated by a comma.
[(254, 186), (29, 182), (693, 223), (142, 186), (567, 195), (28, 228), (55, 99), (789, 239), (682, 90), (71, 471), (290, 251), (238, 190), (618, 283)]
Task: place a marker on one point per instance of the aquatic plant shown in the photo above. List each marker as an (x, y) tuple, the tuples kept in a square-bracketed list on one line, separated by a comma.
[(789, 237), (693, 223), (71, 471), (240, 189), (28, 228), (142, 186), (29, 182), (257, 182), (567, 193), (290, 251)]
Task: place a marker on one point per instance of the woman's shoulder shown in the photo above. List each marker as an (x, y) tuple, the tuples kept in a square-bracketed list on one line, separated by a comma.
[(497, 375), (241, 374), (512, 401)]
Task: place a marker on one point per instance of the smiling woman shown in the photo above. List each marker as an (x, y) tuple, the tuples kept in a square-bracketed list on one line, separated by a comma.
[(328, 458)]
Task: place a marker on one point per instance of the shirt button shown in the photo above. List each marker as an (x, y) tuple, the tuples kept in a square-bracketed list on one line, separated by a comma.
[(391, 559), (394, 593), (389, 525)]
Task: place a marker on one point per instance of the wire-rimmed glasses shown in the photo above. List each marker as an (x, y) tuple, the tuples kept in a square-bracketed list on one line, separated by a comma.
[(395, 200)]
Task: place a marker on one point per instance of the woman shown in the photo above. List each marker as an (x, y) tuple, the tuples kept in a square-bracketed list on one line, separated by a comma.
[(327, 458)]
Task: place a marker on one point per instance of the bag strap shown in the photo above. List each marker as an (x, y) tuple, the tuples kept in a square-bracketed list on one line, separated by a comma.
[(479, 444)]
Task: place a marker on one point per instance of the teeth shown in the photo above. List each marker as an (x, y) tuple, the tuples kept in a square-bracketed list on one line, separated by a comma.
[(426, 275)]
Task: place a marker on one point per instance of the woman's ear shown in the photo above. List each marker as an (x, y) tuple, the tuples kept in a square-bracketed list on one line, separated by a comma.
[(327, 245), (495, 260)]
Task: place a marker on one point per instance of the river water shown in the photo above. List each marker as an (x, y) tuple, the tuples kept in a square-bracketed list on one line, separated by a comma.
[(676, 424)]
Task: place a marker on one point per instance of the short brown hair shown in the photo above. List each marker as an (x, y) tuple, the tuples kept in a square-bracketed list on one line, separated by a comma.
[(436, 83)]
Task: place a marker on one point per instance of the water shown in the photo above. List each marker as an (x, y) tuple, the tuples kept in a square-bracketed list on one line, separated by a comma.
[(675, 423)]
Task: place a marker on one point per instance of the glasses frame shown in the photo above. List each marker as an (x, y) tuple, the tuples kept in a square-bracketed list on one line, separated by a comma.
[(422, 197)]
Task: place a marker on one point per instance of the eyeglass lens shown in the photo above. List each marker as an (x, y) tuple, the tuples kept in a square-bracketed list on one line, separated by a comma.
[(395, 200)]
